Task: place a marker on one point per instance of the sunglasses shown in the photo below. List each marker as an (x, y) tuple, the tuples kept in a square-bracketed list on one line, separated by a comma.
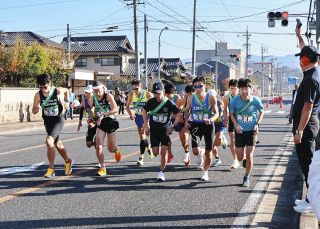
[(43, 87), (135, 88), (198, 86)]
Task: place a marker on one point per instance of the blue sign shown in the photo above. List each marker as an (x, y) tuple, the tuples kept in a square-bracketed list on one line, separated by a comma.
[(292, 80)]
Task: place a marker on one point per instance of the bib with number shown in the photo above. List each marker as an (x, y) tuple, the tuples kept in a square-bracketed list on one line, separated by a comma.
[(100, 106), (49, 104), (200, 110)]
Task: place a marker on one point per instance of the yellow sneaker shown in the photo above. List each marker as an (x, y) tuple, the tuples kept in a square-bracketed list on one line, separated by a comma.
[(117, 156), (50, 173), (101, 172), (68, 167)]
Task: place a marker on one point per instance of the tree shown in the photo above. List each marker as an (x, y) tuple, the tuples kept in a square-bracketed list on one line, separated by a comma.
[(21, 64)]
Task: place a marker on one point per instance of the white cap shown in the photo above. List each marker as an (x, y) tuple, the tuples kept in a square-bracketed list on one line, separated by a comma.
[(88, 89)]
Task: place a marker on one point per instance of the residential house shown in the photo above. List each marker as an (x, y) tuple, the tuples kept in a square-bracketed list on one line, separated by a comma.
[(98, 57), (209, 68), (232, 57), (263, 82)]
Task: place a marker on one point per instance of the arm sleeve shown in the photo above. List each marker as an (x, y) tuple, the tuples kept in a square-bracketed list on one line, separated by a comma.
[(81, 113)]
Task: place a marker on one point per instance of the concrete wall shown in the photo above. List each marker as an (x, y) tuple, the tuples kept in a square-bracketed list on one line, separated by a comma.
[(14, 103)]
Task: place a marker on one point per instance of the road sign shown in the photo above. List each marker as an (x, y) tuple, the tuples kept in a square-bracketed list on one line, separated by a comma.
[(292, 80)]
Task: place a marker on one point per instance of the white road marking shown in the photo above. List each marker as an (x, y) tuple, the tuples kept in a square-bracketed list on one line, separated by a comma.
[(281, 112), (249, 208), (267, 111), (13, 170)]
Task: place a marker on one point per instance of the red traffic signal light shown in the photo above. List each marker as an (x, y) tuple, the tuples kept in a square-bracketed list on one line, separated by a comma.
[(284, 18)]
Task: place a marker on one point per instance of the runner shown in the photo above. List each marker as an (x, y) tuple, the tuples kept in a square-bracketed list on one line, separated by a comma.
[(104, 107), (139, 98), (51, 100), (218, 130), (189, 90), (203, 110), (160, 110), (246, 112), (233, 91), (169, 90), (85, 106)]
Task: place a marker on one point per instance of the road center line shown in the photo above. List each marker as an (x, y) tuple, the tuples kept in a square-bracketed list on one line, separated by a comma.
[(60, 179), (42, 145)]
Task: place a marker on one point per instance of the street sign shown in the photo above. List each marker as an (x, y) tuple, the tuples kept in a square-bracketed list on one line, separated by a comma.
[(292, 80)]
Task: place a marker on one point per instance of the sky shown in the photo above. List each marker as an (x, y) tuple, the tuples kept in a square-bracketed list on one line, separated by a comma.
[(218, 18)]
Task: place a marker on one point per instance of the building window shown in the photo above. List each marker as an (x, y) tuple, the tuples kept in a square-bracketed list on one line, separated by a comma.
[(97, 60), (81, 62), (107, 61)]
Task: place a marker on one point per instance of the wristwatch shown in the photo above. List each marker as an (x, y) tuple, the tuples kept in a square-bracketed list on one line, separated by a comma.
[(299, 132)]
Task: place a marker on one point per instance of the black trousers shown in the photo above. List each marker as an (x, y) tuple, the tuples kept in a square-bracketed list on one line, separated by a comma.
[(306, 148)]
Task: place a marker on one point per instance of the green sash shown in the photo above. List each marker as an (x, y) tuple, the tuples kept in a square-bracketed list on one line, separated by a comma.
[(204, 108), (245, 106), (45, 102), (155, 110), (96, 101)]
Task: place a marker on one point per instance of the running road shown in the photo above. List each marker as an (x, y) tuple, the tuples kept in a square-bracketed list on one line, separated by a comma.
[(129, 197)]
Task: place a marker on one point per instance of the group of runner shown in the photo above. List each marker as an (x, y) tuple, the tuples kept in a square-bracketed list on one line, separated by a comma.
[(200, 114)]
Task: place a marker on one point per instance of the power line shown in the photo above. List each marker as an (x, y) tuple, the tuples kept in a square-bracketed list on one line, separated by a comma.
[(39, 4)]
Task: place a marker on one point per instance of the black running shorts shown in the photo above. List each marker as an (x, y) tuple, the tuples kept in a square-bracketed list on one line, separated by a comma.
[(247, 138), (108, 125), (158, 136), (91, 132), (197, 131), (53, 126)]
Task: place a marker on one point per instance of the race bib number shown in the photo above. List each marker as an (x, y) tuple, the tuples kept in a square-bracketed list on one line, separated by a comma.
[(139, 110), (160, 118), (200, 116), (245, 118), (51, 111)]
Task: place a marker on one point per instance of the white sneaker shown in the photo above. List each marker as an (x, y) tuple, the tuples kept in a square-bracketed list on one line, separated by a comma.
[(186, 159), (300, 202), (235, 164), (306, 207), (216, 162), (205, 176), (161, 176), (200, 159)]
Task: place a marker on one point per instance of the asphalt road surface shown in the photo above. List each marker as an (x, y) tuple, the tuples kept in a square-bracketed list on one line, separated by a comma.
[(130, 196)]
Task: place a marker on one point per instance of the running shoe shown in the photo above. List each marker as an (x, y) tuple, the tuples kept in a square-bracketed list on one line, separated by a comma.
[(161, 176), (200, 160), (216, 162), (50, 173), (186, 159), (205, 176), (68, 167), (170, 157), (235, 164), (117, 156), (244, 163), (300, 202), (101, 172), (224, 142), (304, 207), (140, 161), (246, 181)]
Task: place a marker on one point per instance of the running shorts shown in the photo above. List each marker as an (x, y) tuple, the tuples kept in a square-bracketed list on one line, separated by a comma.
[(247, 138), (108, 125), (197, 131), (158, 136), (53, 126)]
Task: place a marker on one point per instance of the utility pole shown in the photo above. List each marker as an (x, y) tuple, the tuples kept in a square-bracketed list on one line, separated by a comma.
[(247, 35), (136, 39), (216, 68), (145, 51), (194, 38), (262, 59), (318, 22), (68, 47)]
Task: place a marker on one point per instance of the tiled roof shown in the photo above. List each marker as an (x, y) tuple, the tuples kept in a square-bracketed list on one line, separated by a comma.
[(171, 65), (99, 44), (9, 39)]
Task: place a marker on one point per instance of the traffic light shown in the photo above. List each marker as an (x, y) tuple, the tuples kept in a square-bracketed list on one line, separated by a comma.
[(273, 16)]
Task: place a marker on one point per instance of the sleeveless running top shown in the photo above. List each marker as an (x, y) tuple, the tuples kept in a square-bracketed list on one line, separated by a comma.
[(198, 114), (100, 106), (139, 102), (53, 106)]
